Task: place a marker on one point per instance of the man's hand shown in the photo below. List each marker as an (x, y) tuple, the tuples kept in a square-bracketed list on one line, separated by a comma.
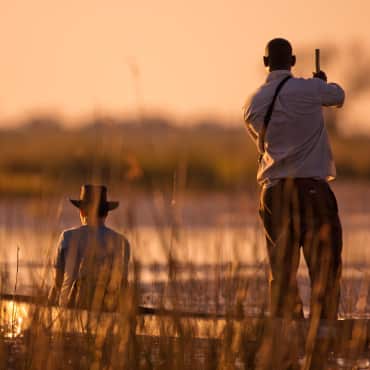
[(321, 75)]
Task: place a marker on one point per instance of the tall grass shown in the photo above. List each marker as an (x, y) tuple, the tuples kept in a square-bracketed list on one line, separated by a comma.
[(165, 162), (52, 337), (42, 336)]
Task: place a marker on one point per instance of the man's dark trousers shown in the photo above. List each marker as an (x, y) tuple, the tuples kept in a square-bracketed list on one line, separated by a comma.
[(297, 213)]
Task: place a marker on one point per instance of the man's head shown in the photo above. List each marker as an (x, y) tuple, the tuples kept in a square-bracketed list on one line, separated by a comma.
[(93, 204), (279, 55)]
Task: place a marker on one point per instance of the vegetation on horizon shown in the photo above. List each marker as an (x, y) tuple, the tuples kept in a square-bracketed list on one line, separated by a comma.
[(43, 157)]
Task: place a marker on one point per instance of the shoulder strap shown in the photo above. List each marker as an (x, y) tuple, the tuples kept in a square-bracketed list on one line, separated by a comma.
[(268, 114)]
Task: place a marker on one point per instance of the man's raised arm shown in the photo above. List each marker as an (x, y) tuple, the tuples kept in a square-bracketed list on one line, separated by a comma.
[(331, 94)]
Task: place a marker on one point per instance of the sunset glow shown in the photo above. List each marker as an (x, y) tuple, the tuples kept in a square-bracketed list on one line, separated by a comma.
[(185, 59)]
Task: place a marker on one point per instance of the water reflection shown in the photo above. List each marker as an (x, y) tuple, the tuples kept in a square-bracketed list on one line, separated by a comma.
[(13, 318), (17, 318), (351, 363)]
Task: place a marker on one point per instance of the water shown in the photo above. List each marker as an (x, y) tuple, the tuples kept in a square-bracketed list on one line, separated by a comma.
[(216, 240)]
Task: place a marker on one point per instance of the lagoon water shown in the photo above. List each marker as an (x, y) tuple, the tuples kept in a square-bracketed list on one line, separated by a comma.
[(213, 238), (215, 247)]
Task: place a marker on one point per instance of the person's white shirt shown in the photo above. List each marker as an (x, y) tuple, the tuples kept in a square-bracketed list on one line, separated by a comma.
[(296, 141), (88, 255)]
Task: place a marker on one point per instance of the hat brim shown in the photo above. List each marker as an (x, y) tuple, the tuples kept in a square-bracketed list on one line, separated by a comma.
[(108, 206)]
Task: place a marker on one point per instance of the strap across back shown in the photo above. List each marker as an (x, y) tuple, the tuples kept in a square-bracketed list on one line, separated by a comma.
[(268, 115)]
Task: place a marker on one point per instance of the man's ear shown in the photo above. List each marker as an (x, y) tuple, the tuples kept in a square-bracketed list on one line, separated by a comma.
[(266, 61), (293, 60)]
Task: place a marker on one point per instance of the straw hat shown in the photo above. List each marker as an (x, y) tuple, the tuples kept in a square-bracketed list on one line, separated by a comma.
[(94, 197)]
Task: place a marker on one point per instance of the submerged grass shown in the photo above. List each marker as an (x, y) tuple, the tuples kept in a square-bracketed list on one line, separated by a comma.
[(40, 336)]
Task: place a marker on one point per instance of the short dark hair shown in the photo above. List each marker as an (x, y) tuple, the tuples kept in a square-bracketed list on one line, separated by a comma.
[(279, 53)]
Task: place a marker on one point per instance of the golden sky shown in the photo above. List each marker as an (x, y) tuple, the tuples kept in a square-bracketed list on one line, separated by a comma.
[(185, 58)]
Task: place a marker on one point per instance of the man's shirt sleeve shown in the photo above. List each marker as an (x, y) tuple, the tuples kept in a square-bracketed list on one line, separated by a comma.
[(254, 120), (60, 259), (59, 264), (330, 94)]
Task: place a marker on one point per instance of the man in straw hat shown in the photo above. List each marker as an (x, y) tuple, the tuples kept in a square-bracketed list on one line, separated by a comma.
[(297, 206), (92, 260)]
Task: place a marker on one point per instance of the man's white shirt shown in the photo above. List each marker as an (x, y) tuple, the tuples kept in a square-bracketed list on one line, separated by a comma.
[(108, 246), (296, 141)]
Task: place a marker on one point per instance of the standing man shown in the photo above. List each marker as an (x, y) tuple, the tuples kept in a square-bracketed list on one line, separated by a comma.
[(297, 206), (92, 260)]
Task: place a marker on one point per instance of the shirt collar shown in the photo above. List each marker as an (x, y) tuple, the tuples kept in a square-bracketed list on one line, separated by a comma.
[(278, 74)]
